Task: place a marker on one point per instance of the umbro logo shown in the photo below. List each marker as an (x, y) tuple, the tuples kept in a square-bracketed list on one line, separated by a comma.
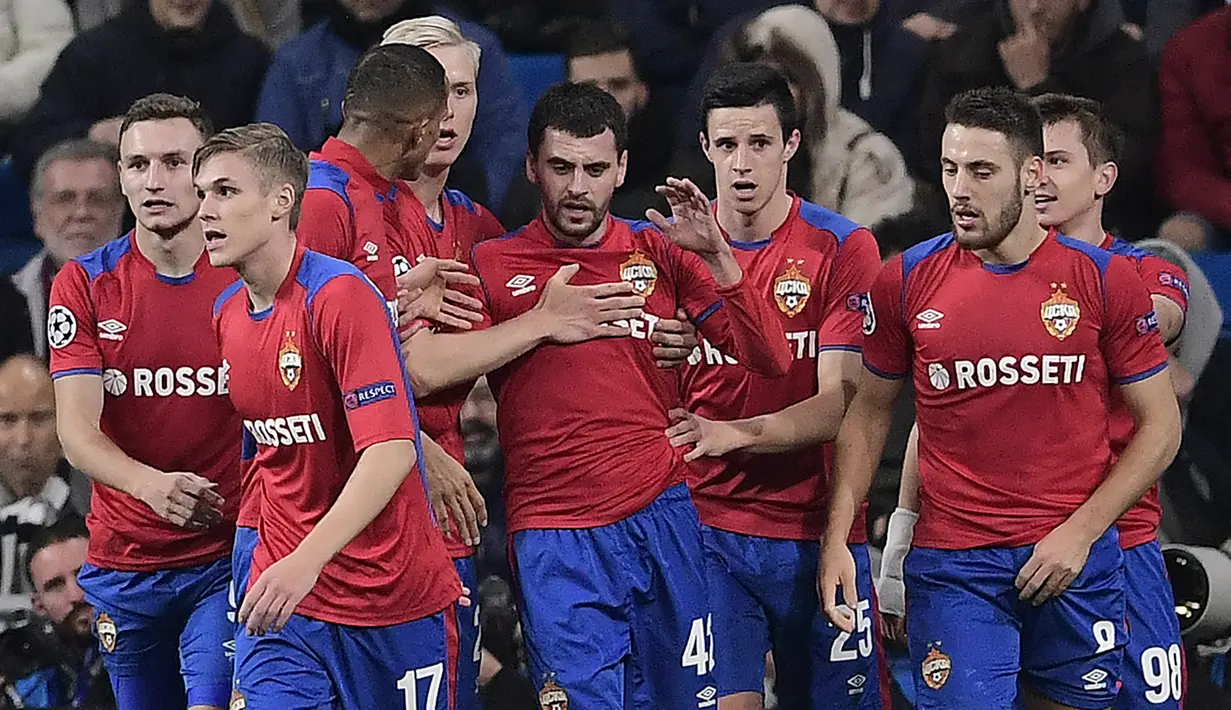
[(521, 284), (856, 683), (1095, 679), (111, 329), (707, 697), (929, 319), (370, 248)]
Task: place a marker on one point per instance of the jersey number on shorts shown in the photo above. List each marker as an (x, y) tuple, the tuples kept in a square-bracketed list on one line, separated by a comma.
[(863, 626), (699, 651), (1163, 670), (409, 685)]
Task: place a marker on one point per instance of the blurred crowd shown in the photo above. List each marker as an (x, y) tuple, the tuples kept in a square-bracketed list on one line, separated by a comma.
[(870, 76)]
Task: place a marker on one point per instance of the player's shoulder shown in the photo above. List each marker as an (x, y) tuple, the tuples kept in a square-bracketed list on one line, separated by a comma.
[(316, 271), (1089, 254), (326, 178), (229, 294), (105, 259), (924, 253), (506, 243), (826, 226), (457, 198)]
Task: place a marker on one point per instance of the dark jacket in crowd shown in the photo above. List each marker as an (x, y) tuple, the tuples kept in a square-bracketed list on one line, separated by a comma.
[(130, 56), (15, 334), (1101, 62)]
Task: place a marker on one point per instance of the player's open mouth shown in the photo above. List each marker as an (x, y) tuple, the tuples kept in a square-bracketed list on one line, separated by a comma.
[(156, 205), (744, 189), (1042, 199), (965, 217), (214, 238), (446, 139)]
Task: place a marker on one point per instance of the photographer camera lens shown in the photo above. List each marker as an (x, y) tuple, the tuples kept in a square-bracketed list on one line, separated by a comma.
[(1201, 582)]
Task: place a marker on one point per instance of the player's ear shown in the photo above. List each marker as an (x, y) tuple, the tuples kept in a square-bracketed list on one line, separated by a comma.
[(621, 167), (531, 173), (283, 200), (1032, 174), (705, 143), (792, 145), (1105, 178)]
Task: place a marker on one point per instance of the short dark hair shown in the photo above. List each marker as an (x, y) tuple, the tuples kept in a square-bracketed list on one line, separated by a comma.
[(749, 84), (1104, 140), (1000, 110), (164, 107), (69, 527), (274, 157), (590, 37), (581, 110), (391, 79)]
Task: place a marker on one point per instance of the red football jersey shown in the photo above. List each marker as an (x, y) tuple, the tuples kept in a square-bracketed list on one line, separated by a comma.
[(582, 426), (1162, 278), (318, 378), (1013, 370), (465, 223), (164, 394), (814, 273)]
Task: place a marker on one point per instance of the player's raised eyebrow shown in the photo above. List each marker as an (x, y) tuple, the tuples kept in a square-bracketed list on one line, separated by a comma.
[(560, 162), (604, 164)]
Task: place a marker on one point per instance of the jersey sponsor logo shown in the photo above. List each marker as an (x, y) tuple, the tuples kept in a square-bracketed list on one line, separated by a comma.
[(168, 381), (369, 394), (111, 329), (401, 266), (936, 668), (115, 382), (802, 344), (61, 326), (107, 631), (1060, 313), (791, 289), (552, 696), (238, 701), (938, 375), (869, 314), (641, 273), (285, 431), (1173, 281), (370, 249), (521, 284), (1009, 371), (929, 319), (1147, 323), (290, 362)]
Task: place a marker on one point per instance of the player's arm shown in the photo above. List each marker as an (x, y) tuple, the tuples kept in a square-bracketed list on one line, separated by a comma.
[(1170, 317), (564, 314), (1137, 360), (891, 584), (453, 493)]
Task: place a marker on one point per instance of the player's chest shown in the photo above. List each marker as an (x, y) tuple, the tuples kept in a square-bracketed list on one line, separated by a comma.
[(276, 369)]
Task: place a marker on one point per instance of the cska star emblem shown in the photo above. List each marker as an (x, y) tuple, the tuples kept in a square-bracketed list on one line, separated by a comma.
[(936, 668), (290, 362), (553, 697), (1060, 313), (641, 273), (791, 289), (107, 632)]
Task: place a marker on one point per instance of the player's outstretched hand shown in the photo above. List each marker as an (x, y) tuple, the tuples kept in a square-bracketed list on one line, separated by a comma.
[(430, 269), (430, 291), (271, 601), (708, 437), (1055, 563), (454, 495), (835, 575), (581, 313), (692, 225), (186, 499), (674, 340)]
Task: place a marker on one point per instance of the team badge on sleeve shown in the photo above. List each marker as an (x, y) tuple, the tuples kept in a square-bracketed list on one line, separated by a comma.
[(641, 273), (1060, 313), (107, 632), (290, 362), (791, 289), (552, 696), (61, 326), (936, 668), (1147, 323)]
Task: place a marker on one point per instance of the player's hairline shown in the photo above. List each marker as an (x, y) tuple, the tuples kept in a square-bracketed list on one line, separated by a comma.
[(431, 32)]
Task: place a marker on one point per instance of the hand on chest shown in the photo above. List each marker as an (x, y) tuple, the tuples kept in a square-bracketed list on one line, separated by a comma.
[(523, 278)]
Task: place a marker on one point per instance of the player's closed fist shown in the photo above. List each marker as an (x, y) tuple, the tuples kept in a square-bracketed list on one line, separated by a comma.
[(674, 340), (1055, 563), (835, 582), (186, 499), (580, 313), (708, 438), (272, 600)]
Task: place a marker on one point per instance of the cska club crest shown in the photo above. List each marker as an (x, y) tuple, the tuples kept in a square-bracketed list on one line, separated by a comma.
[(936, 668), (107, 632), (791, 289), (641, 273), (1060, 313), (290, 362), (553, 697)]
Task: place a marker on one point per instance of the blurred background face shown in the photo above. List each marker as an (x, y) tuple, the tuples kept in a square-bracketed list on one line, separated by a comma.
[(1052, 18), (455, 129), (77, 207), (749, 157), (576, 178), (982, 180), (370, 10), (615, 73), (235, 209), (179, 14), (1070, 183), (156, 174), (29, 449), (53, 571), (847, 12)]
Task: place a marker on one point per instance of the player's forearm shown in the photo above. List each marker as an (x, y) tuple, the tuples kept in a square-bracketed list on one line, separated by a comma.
[(815, 420), (93, 453), (908, 488), (437, 361), (379, 473), (723, 267), (859, 445), (744, 327)]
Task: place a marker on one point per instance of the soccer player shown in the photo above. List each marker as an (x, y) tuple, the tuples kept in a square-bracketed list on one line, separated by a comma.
[(1015, 337), (351, 589), (142, 408), (762, 509), (606, 542)]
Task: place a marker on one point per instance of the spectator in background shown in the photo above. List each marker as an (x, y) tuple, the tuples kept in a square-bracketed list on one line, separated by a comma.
[(848, 167), (37, 486), (303, 90), (77, 206), (32, 33), (1064, 46), (1194, 158), (190, 47), (16, 333), (600, 53)]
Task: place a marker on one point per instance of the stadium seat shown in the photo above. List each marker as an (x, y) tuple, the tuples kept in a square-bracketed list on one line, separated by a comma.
[(535, 72)]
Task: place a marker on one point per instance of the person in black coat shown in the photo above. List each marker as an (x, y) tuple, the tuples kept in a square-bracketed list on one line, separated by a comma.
[(191, 49)]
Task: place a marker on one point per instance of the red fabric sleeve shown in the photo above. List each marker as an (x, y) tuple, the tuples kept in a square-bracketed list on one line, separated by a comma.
[(72, 330), (887, 342), (326, 225), (1130, 341), (853, 273), (1162, 278)]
